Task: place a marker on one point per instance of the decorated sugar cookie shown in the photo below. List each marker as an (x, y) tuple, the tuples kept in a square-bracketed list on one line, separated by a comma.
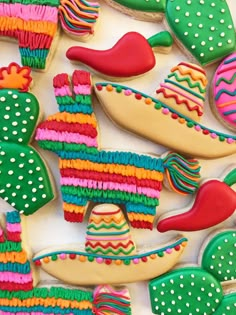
[(89, 173), (152, 10), (131, 56), (223, 98), (173, 114), (109, 254), (35, 25), (20, 295), (203, 289), (215, 201), (203, 27), (24, 179)]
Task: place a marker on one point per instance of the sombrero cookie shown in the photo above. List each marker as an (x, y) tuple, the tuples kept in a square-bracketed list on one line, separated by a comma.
[(223, 96), (109, 254), (173, 114)]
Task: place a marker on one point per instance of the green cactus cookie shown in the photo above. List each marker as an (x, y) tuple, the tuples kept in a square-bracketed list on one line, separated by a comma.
[(204, 27), (199, 290), (24, 181)]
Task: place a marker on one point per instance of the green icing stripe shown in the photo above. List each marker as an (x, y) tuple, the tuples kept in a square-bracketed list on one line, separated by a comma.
[(53, 3), (110, 233), (186, 79), (96, 194), (66, 148), (230, 178), (106, 226), (100, 250), (230, 81), (10, 246), (158, 105)]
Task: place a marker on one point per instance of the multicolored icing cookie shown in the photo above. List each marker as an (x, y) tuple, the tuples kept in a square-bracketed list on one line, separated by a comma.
[(215, 201), (89, 173), (35, 26), (200, 290), (152, 10), (24, 179), (223, 98), (109, 254), (18, 294), (204, 28), (131, 56), (172, 114)]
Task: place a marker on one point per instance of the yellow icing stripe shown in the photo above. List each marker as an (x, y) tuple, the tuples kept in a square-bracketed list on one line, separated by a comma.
[(226, 104), (196, 76), (140, 217), (73, 208), (125, 170), (109, 219), (78, 118), (17, 24)]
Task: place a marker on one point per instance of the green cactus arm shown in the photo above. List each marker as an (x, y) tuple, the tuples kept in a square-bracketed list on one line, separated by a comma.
[(230, 178), (227, 306)]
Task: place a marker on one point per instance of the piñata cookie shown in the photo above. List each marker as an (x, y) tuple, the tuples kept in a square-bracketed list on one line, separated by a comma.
[(203, 29), (36, 25), (24, 180), (89, 173), (223, 93)]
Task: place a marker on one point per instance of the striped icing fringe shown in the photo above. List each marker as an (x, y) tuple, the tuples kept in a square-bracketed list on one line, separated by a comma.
[(63, 301), (34, 25), (90, 174), (15, 272), (78, 17)]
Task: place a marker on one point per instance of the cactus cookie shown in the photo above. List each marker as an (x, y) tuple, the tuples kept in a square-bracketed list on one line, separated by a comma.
[(204, 27), (200, 290), (24, 180)]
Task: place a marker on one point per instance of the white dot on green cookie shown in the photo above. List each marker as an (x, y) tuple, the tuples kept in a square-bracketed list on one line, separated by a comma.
[(14, 132), (38, 168), (22, 154), (34, 190), (210, 38), (219, 265), (5, 138), (190, 24), (196, 35), (2, 191), (197, 310), (203, 43), (202, 55), (5, 128), (2, 153), (34, 199), (179, 297), (6, 198), (200, 25), (211, 16), (211, 48), (230, 27), (17, 187), (154, 288), (14, 123), (30, 172), (31, 161), (169, 310), (178, 8), (13, 204), (202, 1), (10, 172), (21, 165), (193, 47), (231, 253), (28, 100), (27, 109), (163, 303), (198, 13), (24, 196), (9, 92), (8, 108), (26, 205), (13, 194), (6, 117), (222, 21), (213, 4), (187, 13), (24, 122), (162, 293), (222, 34), (44, 196), (31, 117), (17, 114), (186, 33), (41, 186), (229, 41), (41, 179), (30, 182), (23, 130), (2, 99), (20, 177), (17, 105), (8, 185), (222, 10), (179, 310), (222, 257), (14, 96), (20, 140)]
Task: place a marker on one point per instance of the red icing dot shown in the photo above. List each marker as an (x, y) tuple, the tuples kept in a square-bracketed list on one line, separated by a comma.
[(38, 263), (177, 248), (108, 261), (144, 259), (138, 96), (72, 256), (206, 132), (99, 87), (174, 116)]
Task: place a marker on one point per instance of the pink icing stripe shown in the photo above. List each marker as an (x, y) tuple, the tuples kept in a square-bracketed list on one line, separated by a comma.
[(69, 137), (63, 91), (14, 227), (149, 192), (29, 12), (82, 89), (6, 276), (177, 91)]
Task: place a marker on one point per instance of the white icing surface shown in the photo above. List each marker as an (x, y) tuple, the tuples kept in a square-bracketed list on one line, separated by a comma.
[(47, 226)]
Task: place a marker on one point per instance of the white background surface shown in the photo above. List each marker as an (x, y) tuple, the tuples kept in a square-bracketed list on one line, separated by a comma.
[(47, 226)]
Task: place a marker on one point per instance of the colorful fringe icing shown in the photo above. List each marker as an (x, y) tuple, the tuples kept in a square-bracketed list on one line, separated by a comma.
[(88, 173), (18, 297), (34, 24)]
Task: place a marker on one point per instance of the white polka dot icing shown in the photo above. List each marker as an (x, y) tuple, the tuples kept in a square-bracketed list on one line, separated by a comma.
[(202, 20), (182, 293), (220, 255)]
